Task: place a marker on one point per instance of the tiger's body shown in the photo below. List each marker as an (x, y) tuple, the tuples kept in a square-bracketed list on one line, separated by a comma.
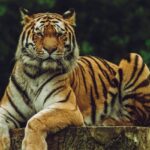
[(51, 87)]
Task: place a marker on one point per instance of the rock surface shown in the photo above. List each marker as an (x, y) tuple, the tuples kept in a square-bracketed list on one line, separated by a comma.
[(92, 138)]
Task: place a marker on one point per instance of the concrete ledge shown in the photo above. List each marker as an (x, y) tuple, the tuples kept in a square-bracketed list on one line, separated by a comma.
[(92, 138)]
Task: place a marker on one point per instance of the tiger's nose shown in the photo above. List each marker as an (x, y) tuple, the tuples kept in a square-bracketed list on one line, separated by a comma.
[(50, 44), (50, 49)]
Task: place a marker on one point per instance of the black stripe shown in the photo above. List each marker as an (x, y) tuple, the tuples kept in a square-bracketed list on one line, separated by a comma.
[(11, 120), (61, 80), (15, 107), (105, 107), (144, 83), (74, 82), (130, 96), (99, 66), (59, 90), (104, 72), (27, 38), (140, 115), (140, 97), (73, 79), (103, 87), (132, 108), (113, 99), (120, 85), (83, 77), (66, 98), (25, 31), (143, 100), (137, 77), (47, 81), (93, 107), (52, 92), (111, 70), (128, 116), (110, 81), (13, 117), (54, 21), (83, 61), (93, 77), (115, 83), (38, 18), (23, 93), (75, 86), (23, 37), (73, 41), (133, 72), (30, 75), (43, 21), (147, 108)]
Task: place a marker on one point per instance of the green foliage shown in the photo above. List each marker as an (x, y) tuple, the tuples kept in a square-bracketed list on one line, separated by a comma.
[(120, 40), (147, 43), (86, 48), (3, 10), (145, 53), (146, 56), (105, 28), (119, 2), (50, 3)]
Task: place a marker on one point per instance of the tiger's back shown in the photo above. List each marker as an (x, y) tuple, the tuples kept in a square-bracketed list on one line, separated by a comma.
[(108, 94), (128, 101), (90, 80)]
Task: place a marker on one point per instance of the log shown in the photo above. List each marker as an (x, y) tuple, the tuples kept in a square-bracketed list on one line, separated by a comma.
[(92, 138)]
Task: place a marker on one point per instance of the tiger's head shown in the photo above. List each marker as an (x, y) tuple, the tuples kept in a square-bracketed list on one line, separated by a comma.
[(48, 42)]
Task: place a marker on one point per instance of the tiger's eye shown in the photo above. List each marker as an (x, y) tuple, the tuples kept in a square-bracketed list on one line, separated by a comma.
[(39, 34), (67, 46), (59, 34)]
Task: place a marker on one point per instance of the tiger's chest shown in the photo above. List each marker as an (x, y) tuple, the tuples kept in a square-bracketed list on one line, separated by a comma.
[(35, 87), (38, 89), (42, 90)]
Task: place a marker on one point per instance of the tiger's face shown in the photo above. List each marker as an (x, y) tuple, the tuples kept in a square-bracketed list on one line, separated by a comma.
[(48, 41)]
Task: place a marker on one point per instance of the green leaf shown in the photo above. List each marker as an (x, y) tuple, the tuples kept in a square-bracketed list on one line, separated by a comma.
[(146, 56), (86, 48), (147, 43), (3, 10), (50, 3)]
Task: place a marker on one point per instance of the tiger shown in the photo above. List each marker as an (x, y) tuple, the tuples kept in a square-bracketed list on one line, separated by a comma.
[(52, 87)]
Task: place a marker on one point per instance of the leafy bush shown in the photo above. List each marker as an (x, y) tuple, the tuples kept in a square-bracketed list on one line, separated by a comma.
[(105, 28)]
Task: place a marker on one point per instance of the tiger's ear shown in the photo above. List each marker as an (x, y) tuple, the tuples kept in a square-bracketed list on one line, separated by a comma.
[(24, 15), (70, 16)]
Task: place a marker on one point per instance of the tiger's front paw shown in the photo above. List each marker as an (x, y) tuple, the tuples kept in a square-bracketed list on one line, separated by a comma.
[(34, 142), (34, 138), (4, 138)]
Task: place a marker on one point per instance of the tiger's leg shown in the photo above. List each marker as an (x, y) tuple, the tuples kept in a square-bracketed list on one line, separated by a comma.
[(50, 119), (7, 122), (4, 134), (11, 116), (128, 100)]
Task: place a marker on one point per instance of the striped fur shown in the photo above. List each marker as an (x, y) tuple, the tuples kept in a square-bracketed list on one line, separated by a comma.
[(128, 101), (52, 87)]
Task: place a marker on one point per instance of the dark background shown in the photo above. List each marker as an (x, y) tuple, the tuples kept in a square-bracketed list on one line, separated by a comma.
[(106, 28)]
